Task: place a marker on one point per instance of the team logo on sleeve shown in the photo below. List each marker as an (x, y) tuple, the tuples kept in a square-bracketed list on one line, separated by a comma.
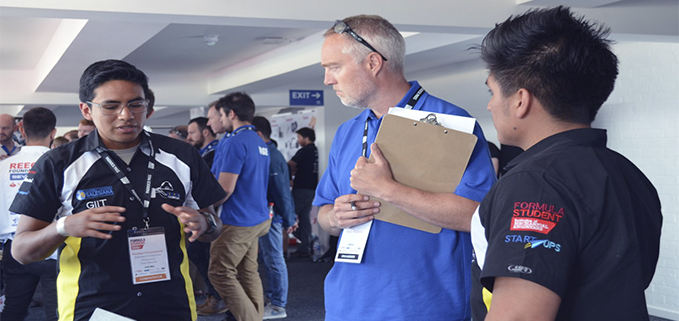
[(543, 243), (519, 269), (515, 238), (535, 217)]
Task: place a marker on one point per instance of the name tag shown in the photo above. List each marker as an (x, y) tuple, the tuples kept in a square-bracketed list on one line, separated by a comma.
[(148, 255), (352, 244)]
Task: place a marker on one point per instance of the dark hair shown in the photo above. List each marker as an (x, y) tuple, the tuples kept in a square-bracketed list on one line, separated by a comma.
[(201, 122), (151, 97), (102, 71), (39, 123), (307, 132), (262, 125), (563, 60), (240, 103)]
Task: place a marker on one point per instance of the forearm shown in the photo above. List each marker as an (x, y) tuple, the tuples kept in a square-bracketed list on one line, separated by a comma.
[(445, 210), (324, 220), (36, 245)]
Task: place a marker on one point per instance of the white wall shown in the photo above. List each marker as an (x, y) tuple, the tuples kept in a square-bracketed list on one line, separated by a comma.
[(641, 117), (334, 115)]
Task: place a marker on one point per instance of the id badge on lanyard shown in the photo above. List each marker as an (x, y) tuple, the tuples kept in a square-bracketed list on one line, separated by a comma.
[(354, 239), (147, 247), (148, 255)]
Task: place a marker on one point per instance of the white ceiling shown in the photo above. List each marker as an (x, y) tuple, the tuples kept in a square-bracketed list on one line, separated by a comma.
[(265, 47)]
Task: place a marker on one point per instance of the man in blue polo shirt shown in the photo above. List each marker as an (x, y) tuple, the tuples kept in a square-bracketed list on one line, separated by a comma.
[(244, 175), (406, 274)]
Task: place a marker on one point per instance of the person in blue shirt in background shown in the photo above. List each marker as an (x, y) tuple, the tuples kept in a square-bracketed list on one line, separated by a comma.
[(271, 245)]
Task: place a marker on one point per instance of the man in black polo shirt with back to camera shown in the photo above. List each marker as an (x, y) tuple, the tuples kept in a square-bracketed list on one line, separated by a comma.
[(126, 201), (572, 230)]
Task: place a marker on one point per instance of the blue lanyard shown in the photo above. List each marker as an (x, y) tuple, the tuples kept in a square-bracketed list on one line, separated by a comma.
[(242, 128), (209, 147), (9, 153)]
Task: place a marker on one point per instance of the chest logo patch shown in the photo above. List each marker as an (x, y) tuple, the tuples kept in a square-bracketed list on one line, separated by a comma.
[(97, 192), (166, 191)]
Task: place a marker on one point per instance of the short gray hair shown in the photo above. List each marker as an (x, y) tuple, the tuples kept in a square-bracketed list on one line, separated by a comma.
[(379, 33)]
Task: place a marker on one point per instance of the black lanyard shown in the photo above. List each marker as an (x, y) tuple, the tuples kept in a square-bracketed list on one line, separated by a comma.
[(411, 103), (104, 153)]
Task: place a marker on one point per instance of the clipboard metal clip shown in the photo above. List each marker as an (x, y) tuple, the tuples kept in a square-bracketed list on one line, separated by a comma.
[(431, 119)]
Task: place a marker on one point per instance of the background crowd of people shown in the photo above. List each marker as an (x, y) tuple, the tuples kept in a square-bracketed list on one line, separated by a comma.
[(124, 209)]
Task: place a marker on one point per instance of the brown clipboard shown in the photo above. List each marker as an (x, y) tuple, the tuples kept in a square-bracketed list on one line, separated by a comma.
[(424, 156)]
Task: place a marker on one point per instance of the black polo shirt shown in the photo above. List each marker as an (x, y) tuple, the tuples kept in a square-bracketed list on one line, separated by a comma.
[(95, 272), (306, 175), (577, 218)]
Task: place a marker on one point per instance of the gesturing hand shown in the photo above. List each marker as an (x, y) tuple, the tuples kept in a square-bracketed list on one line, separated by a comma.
[(91, 222), (193, 221)]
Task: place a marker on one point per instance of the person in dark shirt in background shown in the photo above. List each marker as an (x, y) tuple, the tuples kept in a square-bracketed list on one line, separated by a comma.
[(304, 168)]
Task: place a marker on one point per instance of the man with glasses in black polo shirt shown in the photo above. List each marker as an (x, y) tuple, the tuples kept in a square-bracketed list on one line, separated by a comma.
[(126, 201), (405, 274)]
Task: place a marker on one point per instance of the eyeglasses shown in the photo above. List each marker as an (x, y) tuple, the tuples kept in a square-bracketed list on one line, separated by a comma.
[(341, 27), (178, 133), (135, 107)]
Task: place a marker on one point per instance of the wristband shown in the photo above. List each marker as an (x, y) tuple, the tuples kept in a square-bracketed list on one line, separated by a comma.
[(61, 228)]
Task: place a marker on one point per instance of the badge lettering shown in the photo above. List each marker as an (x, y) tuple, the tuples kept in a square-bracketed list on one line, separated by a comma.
[(97, 203), (536, 217)]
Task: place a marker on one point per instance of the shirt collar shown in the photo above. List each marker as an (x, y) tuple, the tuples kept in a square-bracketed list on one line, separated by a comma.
[(582, 136), (8, 151), (414, 86), (92, 141)]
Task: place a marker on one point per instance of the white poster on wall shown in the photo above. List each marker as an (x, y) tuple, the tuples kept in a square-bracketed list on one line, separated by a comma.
[(285, 126)]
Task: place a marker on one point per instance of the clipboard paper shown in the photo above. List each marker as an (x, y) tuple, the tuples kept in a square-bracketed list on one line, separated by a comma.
[(423, 156)]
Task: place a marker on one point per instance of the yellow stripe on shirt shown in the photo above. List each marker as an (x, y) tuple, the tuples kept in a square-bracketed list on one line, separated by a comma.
[(184, 268), (67, 280)]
